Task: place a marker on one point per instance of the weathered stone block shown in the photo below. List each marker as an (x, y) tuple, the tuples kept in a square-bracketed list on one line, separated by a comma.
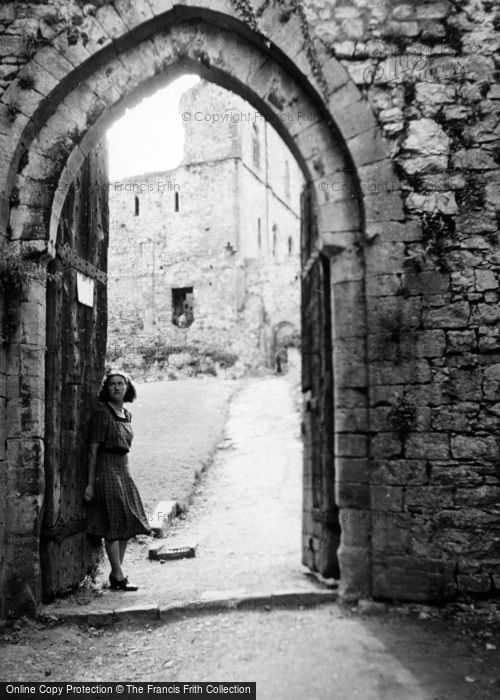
[(432, 97), (428, 497), (424, 165), (354, 118), (483, 314), (386, 446), (351, 445), (443, 202), (349, 495), (335, 74), (354, 419), (355, 572), (426, 137), (426, 283), (352, 469), (487, 495), (427, 446), (461, 341), (399, 472), (390, 535), (409, 578), (382, 284), (473, 159), (409, 231), (384, 257), (454, 315), (387, 498), (455, 418), (406, 371), (12, 45), (485, 279), (356, 527), (25, 418), (24, 514), (471, 447), (368, 147), (451, 473)]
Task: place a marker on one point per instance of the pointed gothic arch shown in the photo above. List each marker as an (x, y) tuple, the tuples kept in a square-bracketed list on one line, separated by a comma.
[(136, 47)]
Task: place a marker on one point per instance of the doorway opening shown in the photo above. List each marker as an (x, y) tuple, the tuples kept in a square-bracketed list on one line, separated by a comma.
[(208, 293), (153, 52)]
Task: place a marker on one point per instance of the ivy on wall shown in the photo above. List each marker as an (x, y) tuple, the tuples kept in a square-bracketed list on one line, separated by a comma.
[(289, 8)]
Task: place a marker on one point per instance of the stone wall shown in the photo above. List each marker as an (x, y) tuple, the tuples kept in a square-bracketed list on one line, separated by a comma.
[(226, 223), (430, 73), (3, 462)]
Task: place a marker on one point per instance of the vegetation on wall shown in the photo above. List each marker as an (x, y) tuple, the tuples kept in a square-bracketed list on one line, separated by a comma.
[(17, 273)]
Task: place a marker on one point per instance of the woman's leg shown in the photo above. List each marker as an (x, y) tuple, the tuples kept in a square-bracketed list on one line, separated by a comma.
[(113, 552), (123, 548)]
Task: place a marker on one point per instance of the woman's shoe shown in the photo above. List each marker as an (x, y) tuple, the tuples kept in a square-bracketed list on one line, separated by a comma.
[(121, 584)]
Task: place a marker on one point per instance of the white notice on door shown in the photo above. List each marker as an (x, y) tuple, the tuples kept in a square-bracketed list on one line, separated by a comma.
[(85, 287)]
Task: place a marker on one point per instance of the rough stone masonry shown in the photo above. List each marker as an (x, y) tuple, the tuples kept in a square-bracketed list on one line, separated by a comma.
[(403, 159)]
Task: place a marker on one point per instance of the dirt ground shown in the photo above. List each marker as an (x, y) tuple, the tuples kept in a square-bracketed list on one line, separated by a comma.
[(326, 653)]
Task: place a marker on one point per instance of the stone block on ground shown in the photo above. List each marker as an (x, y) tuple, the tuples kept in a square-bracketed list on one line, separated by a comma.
[(164, 552)]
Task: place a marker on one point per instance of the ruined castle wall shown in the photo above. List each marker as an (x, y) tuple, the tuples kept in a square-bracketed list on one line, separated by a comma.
[(226, 193)]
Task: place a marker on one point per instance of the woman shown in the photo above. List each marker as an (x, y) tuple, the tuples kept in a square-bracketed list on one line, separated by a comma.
[(115, 509)]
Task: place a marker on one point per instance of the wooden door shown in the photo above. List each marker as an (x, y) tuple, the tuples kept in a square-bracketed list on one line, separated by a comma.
[(321, 528), (76, 346)]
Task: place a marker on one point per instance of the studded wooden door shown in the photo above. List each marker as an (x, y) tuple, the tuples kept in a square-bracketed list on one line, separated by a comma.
[(321, 528), (76, 346)]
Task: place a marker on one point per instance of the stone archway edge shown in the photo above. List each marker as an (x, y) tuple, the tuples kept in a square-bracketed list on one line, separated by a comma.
[(61, 119), (57, 63)]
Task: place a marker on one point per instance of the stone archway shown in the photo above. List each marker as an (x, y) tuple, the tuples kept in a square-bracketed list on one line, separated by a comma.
[(132, 50)]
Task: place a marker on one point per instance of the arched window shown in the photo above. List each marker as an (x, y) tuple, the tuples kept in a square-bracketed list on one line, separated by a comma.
[(136, 206), (255, 145), (176, 204), (290, 245)]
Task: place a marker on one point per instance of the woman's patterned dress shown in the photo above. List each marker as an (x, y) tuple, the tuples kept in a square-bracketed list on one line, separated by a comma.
[(116, 511)]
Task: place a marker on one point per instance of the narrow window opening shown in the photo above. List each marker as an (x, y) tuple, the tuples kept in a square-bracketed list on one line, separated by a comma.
[(290, 245), (136, 206), (176, 198), (287, 180), (182, 306), (259, 234), (275, 239), (256, 146)]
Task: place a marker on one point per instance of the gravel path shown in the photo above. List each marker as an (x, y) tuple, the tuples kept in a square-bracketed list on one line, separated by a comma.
[(326, 653)]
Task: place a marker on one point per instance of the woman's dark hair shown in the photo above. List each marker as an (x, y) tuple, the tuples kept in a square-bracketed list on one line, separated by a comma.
[(130, 394)]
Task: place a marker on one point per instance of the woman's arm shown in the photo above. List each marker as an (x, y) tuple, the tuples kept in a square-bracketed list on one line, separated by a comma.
[(89, 491)]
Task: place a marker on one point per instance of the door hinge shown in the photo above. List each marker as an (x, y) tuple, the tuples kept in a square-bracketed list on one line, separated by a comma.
[(72, 259)]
